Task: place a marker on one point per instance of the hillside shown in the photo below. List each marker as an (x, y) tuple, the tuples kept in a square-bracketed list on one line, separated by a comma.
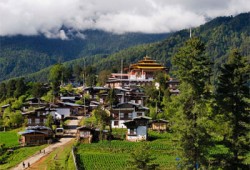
[(22, 55), (220, 36)]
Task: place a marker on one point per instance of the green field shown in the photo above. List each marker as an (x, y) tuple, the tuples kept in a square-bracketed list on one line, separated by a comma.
[(10, 138), (115, 154)]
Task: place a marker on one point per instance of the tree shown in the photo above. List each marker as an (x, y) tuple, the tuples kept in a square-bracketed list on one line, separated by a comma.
[(20, 87), (55, 77), (37, 90), (11, 86), (49, 121), (232, 96), (3, 91), (141, 158), (193, 69), (103, 77)]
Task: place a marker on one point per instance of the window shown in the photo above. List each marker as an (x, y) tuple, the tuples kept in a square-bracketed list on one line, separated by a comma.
[(139, 114), (44, 120), (37, 121), (84, 134), (29, 121), (130, 115), (132, 131), (116, 122), (121, 115)]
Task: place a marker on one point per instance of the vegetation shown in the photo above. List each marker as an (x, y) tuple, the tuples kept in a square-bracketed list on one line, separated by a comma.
[(115, 155)]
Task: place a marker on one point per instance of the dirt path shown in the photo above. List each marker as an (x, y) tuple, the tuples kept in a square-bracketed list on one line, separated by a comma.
[(31, 160), (49, 160), (39, 156)]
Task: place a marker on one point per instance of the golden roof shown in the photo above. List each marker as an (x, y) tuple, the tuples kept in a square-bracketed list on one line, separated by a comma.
[(147, 63)]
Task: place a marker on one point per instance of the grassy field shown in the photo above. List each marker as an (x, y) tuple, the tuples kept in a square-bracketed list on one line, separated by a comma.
[(115, 154), (9, 138)]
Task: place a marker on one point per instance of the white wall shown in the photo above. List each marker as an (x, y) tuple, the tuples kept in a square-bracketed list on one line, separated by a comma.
[(63, 111)]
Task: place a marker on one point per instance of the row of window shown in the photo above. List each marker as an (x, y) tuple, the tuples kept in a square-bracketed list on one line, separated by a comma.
[(128, 115), (37, 121)]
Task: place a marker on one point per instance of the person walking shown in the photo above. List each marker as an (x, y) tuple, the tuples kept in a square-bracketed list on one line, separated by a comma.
[(23, 165), (28, 164)]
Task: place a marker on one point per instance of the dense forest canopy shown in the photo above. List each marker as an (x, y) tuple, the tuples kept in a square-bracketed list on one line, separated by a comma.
[(21, 55)]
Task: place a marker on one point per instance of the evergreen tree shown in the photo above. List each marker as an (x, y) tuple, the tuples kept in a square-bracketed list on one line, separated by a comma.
[(233, 101), (20, 87), (3, 91), (55, 77), (193, 70)]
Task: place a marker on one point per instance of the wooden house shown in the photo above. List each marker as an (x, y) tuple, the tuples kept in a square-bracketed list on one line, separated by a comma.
[(124, 112), (137, 129), (85, 134), (160, 125), (33, 137), (38, 116)]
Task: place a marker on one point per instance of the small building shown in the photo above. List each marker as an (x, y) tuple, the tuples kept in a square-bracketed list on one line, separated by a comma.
[(85, 134), (137, 129), (160, 125), (33, 137)]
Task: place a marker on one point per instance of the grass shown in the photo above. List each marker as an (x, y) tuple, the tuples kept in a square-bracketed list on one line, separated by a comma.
[(18, 155), (9, 138)]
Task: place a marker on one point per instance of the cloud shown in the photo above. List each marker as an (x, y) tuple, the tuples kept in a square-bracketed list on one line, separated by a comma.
[(48, 17)]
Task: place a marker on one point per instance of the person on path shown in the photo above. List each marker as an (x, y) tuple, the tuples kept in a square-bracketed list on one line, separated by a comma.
[(23, 165), (44, 151), (28, 164)]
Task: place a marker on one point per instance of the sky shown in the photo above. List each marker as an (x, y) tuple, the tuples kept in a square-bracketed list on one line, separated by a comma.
[(48, 17)]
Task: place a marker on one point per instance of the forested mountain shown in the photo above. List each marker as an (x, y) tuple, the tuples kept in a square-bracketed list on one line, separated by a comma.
[(220, 36), (22, 55)]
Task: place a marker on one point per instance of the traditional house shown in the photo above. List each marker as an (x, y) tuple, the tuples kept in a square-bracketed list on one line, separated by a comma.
[(38, 116), (137, 128), (33, 137), (173, 86), (85, 134), (124, 112), (48, 131), (34, 103), (159, 125)]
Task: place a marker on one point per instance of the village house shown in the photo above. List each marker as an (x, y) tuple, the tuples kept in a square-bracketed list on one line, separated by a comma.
[(123, 112), (85, 134), (36, 135), (160, 125), (137, 129), (33, 137), (38, 116)]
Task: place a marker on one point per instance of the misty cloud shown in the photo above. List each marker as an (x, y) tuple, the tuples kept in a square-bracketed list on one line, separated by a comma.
[(48, 17)]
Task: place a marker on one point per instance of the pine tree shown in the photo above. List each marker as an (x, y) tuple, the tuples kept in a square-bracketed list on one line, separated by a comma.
[(233, 101), (193, 70)]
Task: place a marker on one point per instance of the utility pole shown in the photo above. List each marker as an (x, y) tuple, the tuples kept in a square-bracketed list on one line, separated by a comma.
[(83, 85)]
